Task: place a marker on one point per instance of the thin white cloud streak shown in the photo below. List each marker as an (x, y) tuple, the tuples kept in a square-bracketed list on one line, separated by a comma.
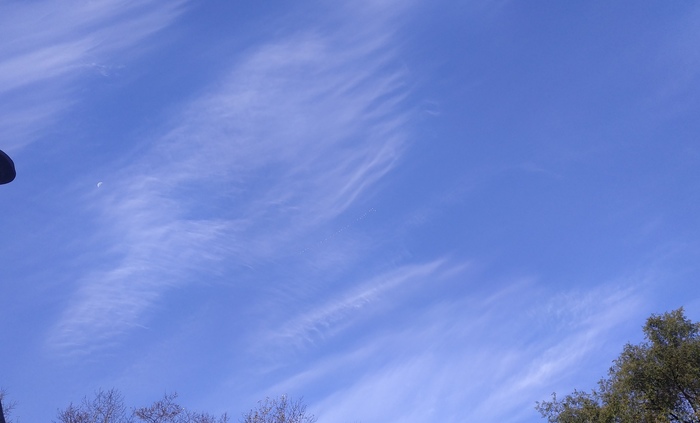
[(468, 360), (339, 312), (48, 45), (296, 133), (584, 333)]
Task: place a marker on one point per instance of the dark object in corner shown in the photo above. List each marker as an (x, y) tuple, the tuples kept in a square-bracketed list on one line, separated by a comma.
[(7, 171)]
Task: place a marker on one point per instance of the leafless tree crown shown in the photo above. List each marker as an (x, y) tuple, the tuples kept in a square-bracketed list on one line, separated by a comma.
[(279, 410), (108, 407)]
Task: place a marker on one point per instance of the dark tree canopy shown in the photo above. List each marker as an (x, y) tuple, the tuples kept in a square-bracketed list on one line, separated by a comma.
[(655, 381), (7, 168)]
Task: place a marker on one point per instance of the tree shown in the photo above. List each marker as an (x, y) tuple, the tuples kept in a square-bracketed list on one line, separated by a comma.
[(108, 407), (105, 407), (652, 382), (279, 410), (167, 411), (5, 410)]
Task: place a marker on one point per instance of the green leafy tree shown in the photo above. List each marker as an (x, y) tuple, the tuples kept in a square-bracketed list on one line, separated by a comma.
[(656, 381)]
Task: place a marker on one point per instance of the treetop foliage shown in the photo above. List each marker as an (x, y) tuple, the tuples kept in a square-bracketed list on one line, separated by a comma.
[(655, 381)]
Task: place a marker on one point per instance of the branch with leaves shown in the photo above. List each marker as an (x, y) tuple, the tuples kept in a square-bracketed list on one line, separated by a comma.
[(655, 381)]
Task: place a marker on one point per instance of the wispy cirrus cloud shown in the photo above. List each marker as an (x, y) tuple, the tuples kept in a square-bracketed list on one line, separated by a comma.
[(468, 357), (49, 47), (297, 131), (344, 309)]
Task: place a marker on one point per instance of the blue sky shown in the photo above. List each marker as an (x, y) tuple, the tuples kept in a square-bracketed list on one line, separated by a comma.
[(404, 211)]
